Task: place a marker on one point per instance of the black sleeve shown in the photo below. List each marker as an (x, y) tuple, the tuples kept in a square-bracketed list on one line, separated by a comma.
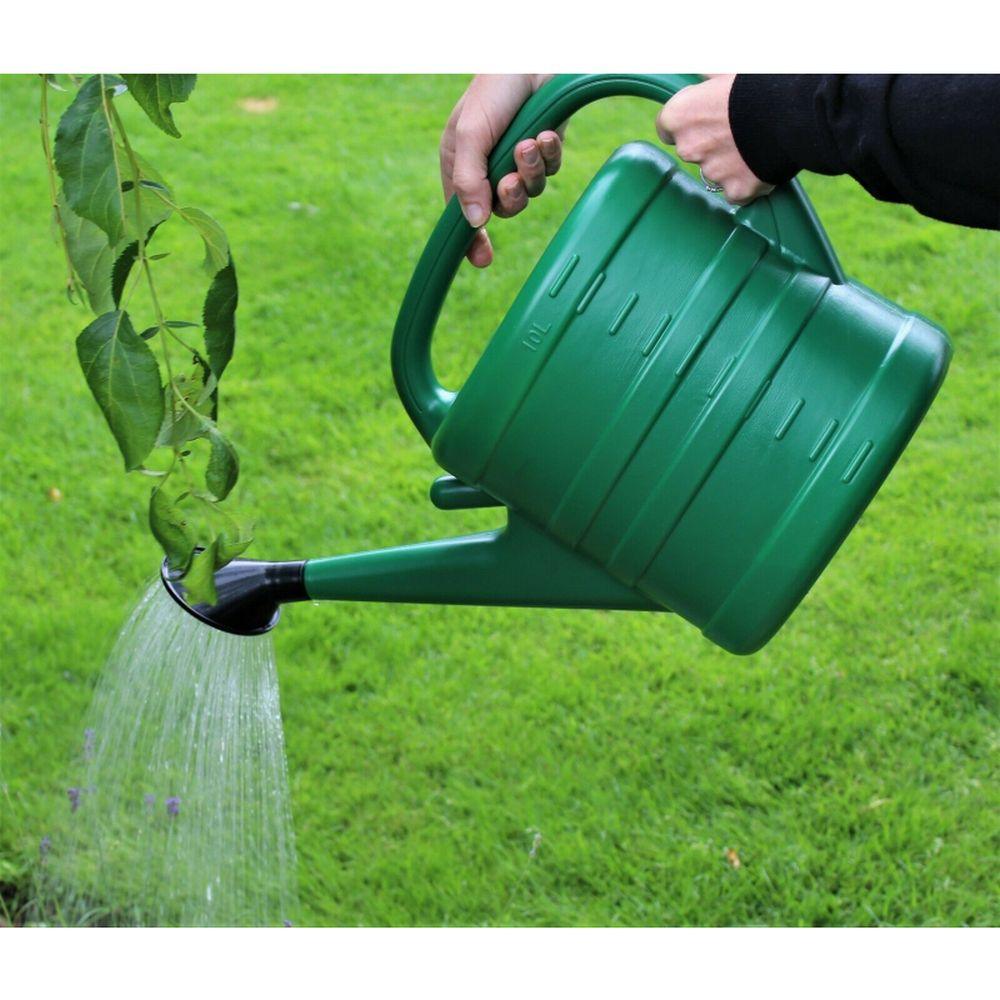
[(929, 141)]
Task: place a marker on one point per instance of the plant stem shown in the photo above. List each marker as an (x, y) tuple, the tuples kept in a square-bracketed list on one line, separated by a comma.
[(161, 323), (140, 228), (169, 202), (143, 257), (71, 286), (183, 343)]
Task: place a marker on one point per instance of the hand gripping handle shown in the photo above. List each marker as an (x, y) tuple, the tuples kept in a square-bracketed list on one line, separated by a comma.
[(786, 212)]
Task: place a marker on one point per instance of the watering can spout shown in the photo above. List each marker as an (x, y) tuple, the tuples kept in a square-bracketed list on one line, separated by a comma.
[(250, 593), (517, 566)]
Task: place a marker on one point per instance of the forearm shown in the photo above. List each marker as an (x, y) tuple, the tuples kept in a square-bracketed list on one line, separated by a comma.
[(930, 141)]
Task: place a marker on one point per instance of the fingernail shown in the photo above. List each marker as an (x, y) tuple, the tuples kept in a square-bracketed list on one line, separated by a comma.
[(475, 213), (530, 154)]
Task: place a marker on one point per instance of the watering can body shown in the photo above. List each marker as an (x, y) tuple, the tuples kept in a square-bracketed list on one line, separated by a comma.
[(691, 400), (678, 397), (686, 408)]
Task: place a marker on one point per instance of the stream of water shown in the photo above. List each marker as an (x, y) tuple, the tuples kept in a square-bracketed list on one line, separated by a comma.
[(180, 815)]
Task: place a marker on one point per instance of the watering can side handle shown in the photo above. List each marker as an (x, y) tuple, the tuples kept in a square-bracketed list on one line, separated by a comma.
[(423, 396)]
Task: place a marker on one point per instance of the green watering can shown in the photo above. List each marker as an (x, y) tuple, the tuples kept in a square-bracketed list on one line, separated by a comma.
[(686, 408)]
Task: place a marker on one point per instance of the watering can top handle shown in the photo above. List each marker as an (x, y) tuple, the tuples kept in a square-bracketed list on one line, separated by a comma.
[(425, 399)]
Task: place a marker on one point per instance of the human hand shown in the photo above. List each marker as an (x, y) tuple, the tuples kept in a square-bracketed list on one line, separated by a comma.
[(478, 121), (696, 122)]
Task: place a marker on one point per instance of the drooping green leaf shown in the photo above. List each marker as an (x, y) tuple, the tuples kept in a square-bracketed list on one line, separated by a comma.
[(180, 424), (155, 92), (212, 235), (124, 377), (223, 465), (233, 541), (86, 160), (123, 267), (209, 395), (148, 206), (171, 529), (90, 255), (173, 324), (219, 318), (199, 581)]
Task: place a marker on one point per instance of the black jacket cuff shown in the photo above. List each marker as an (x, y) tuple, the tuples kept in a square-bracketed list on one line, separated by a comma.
[(776, 125)]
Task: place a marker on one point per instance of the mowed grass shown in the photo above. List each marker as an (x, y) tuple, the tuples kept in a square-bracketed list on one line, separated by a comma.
[(503, 766)]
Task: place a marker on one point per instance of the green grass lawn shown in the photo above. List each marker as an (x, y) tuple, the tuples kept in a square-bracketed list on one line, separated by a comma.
[(852, 764)]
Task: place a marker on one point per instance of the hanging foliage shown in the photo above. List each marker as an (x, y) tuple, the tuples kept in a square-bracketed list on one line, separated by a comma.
[(155, 379)]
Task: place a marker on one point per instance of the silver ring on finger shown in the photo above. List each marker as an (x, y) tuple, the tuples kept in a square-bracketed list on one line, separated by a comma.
[(710, 186)]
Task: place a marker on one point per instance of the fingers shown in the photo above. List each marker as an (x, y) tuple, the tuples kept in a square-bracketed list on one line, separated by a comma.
[(480, 254), (551, 147), (512, 196), (535, 160), (665, 122), (530, 166), (738, 184)]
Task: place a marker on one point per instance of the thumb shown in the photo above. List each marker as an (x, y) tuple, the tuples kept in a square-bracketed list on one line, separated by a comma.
[(473, 142)]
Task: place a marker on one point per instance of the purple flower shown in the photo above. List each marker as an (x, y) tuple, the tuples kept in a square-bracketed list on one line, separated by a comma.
[(44, 846), (74, 798), (150, 799), (173, 805), (88, 744)]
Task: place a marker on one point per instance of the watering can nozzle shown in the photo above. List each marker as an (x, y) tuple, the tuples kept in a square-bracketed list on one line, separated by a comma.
[(250, 594)]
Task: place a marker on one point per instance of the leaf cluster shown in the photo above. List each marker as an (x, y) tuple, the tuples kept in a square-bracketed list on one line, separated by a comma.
[(156, 382)]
